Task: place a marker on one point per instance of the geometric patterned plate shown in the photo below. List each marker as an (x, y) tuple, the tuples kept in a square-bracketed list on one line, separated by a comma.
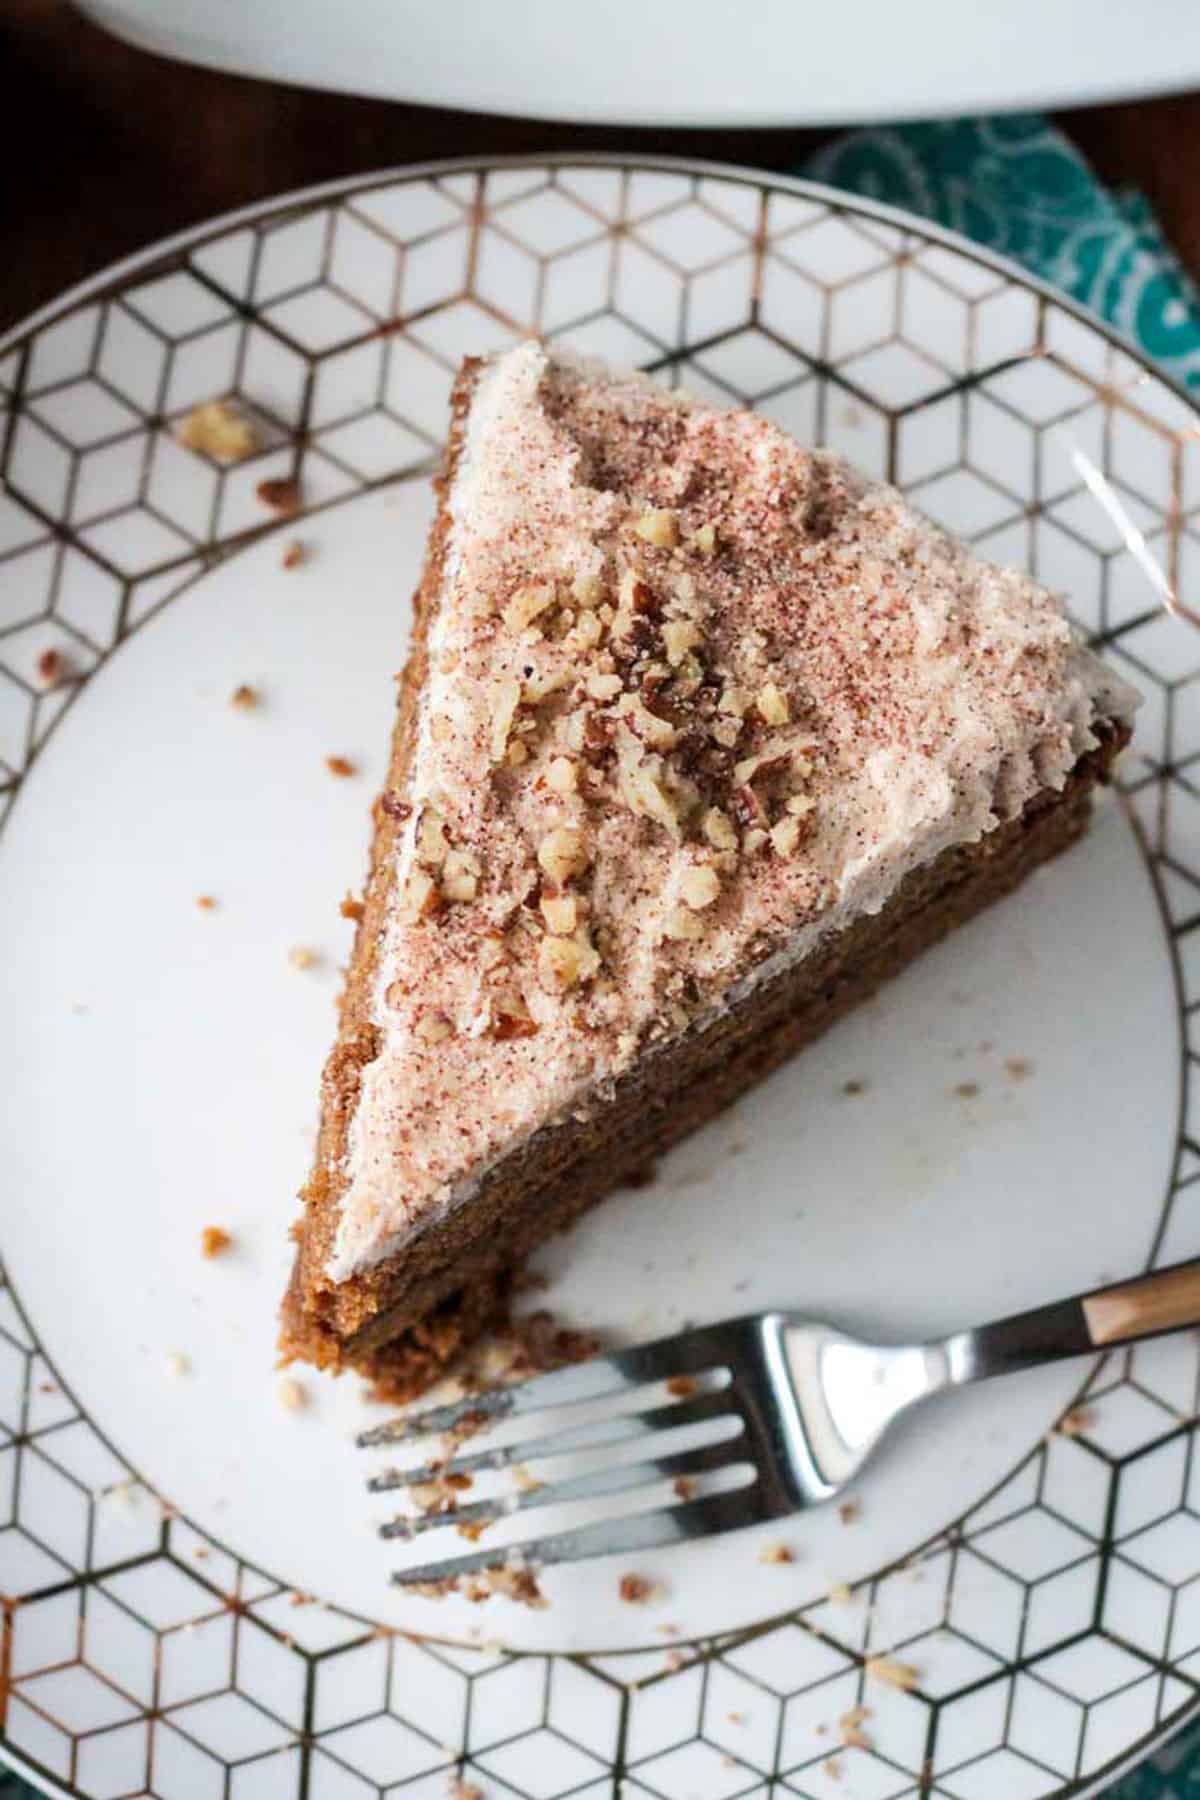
[(1047, 1591)]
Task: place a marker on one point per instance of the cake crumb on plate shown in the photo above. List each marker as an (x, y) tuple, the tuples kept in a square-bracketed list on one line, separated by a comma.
[(341, 766), (214, 1240), (895, 1674)]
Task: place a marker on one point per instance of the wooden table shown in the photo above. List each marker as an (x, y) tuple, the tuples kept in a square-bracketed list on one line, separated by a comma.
[(106, 149)]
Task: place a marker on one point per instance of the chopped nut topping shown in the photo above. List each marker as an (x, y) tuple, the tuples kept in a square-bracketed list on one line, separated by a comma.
[(660, 527), (679, 636), (754, 840), (213, 1240), (301, 957), (772, 704), (281, 493), (891, 1673), (431, 838), (564, 962), (219, 430), (561, 913), (434, 1028), (244, 697), (785, 836), (293, 1395), (704, 540), (562, 775), (460, 876), (719, 830), (587, 590), (699, 886), (800, 805), (563, 853), (682, 925), (636, 1590), (516, 754), (734, 700), (603, 687), (419, 896), (340, 766), (776, 1553), (526, 605)]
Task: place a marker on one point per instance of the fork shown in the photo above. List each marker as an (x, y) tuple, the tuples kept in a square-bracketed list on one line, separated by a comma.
[(750, 1420)]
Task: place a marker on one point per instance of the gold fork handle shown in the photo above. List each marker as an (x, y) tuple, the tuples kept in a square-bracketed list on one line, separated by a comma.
[(1137, 1309)]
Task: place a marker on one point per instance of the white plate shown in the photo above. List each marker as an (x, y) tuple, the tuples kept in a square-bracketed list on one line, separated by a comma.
[(687, 62), (159, 1062)]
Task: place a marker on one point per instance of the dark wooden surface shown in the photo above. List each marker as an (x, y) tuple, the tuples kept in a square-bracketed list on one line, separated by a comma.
[(106, 149)]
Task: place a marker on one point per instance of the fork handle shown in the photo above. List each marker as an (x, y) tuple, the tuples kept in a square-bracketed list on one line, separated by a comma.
[(1100, 1320)]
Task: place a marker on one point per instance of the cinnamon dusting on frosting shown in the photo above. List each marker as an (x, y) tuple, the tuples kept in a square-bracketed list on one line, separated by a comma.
[(696, 697)]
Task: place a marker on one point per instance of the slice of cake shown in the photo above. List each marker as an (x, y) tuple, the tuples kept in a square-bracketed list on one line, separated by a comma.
[(702, 737)]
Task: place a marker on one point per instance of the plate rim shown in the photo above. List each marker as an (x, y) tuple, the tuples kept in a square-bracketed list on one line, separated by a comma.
[(117, 276)]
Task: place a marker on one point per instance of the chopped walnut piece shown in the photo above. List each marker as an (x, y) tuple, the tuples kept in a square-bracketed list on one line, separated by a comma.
[(293, 1395), (704, 540), (562, 775), (561, 913), (460, 876), (564, 962), (516, 754), (636, 1590), (734, 700), (301, 957), (785, 837), (431, 838), (281, 493), (293, 554), (244, 697), (660, 527), (753, 841), (772, 704), (699, 886), (603, 687), (350, 908), (419, 896), (719, 829), (587, 590), (213, 1240), (682, 925), (892, 1673), (434, 1028), (799, 805), (679, 636), (563, 853), (206, 902), (217, 429), (776, 1553), (526, 605), (340, 766)]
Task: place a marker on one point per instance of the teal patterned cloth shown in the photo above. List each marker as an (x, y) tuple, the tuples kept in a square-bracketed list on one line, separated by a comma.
[(1018, 186)]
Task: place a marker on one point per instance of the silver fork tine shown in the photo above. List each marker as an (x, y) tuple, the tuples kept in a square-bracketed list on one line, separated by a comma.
[(613, 1478), (708, 1405), (629, 1535), (612, 1373)]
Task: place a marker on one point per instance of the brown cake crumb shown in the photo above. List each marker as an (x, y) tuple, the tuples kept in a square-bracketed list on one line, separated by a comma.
[(218, 429), (214, 1239), (776, 1553), (302, 957), (341, 766), (832, 1768), (206, 902), (849, 1510), (1018, 1068), (458, 1789), (244, 697), (853, 1088), (682, 1386), (684, 1487), (636, 1590), (850, 1727), (350, 908), (1076, 1422), (892, 1673), (281, 493), (294, 554), (53, 667), (966, 1090)]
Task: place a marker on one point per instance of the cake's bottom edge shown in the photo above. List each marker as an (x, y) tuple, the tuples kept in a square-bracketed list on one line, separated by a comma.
[(402, 1322)]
